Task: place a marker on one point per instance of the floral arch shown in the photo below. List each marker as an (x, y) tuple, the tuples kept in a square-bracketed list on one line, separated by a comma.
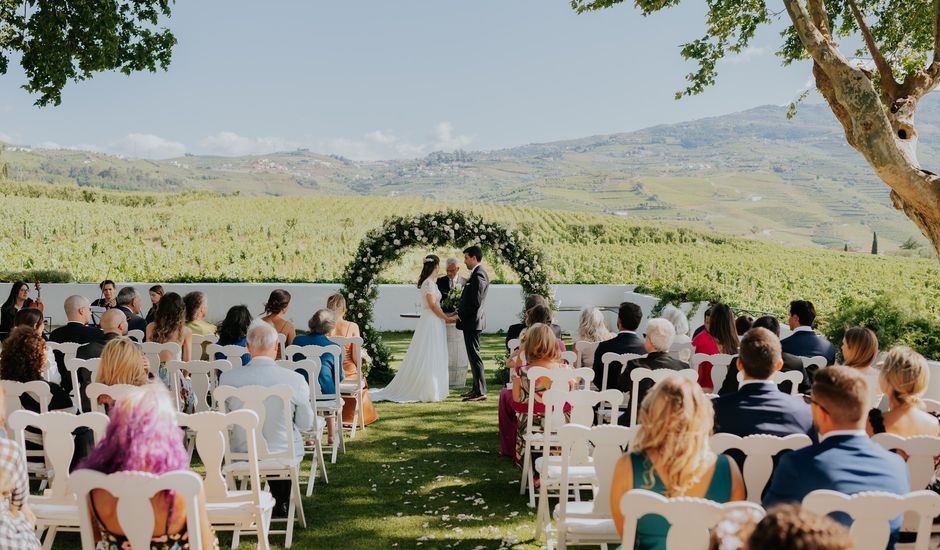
[(388, 243)]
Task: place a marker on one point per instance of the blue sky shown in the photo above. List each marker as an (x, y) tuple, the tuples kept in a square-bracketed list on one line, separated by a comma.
[(397, 78)]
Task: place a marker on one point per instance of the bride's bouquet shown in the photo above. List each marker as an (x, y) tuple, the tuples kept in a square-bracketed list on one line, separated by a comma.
[(452, 300)]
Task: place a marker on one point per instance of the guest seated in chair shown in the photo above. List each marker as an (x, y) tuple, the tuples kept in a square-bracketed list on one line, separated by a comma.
[(904, 379), (262, 370), (670, 455), (322, 323), (537, 314), (860, 351), (17, 530), (77, 330), (347, 329), (274, 311), (804, 342), (514, 332), (122, 363), (128, 301), (626, 341), (591, 328), (143, 436), (34, 319), (845, 459), (679, 321), (758, 407), (790, 363), (659, 335), (719, 336), (234, 330)]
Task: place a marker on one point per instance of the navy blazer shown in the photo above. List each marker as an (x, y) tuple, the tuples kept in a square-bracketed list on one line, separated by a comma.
[(809, 344), (761, 408), (848, 464), (621, 343)]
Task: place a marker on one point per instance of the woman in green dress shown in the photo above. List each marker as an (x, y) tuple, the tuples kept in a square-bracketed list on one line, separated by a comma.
[(670, 456)]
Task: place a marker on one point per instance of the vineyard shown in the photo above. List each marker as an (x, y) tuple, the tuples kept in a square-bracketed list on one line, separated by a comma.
[(88, 234)]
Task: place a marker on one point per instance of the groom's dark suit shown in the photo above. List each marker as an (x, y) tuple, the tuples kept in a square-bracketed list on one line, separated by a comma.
[(472, 322)]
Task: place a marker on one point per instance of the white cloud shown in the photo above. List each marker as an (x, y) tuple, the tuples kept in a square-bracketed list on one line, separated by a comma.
[(385, 144), (747, 55), (232, 145), (144, 146)]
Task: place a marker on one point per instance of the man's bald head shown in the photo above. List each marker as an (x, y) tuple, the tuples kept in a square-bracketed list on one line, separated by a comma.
[(114, 321)]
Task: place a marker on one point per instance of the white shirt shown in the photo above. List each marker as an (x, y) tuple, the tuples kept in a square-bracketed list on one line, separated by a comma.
[(627, 332), (803, 328), (746, 382), (842, 432)]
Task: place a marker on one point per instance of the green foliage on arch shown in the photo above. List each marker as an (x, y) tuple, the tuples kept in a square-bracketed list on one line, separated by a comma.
[(388, 244)]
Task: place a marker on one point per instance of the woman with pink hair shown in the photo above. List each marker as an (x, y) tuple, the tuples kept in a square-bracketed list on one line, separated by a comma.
[(143, 436)]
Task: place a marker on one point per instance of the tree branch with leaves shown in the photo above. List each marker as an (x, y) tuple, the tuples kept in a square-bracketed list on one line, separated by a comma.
[(57, 41)]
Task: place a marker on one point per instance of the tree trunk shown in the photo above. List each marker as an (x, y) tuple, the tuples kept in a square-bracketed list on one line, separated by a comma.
[(884, 134)]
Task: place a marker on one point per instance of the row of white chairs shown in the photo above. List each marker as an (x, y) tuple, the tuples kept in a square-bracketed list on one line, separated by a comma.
[(601, 447)]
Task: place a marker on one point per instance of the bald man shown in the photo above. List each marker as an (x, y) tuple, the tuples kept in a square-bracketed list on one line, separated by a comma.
[(114, 325)]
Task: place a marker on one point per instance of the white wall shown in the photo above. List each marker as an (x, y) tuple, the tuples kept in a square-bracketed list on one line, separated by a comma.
[(502, 308)]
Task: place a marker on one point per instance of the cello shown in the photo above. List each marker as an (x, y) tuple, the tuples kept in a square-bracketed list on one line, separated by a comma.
[(37, 303)]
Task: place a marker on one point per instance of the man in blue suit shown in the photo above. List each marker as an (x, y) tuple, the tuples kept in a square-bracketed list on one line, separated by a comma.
[(804, 342), (845, 459), (758, 407)]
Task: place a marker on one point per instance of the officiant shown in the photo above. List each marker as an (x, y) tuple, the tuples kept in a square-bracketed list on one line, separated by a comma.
[(456, 350)]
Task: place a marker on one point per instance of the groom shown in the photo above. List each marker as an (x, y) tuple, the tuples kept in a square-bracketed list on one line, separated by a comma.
[(470, 318)]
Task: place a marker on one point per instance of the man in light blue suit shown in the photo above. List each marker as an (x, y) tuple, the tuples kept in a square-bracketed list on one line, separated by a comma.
[(845, 459)]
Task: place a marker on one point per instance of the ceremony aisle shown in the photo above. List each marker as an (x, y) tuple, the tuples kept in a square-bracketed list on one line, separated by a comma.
[(426, 475)]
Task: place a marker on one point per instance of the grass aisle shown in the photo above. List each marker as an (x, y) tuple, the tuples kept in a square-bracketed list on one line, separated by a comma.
[(425, 475)]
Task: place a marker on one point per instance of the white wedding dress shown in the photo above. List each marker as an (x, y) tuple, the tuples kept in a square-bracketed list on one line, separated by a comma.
[(423, 375)]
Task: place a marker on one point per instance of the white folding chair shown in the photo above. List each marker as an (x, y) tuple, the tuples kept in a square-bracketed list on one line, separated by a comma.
[(719, 363), (231, 352), (817, 361), (40, 391), (543, 439), (133, 491), (228, 508), (329, 405), (313, 440), (272, 464), (872, 512), (73, 365), (585, 349), (512, 345), (200, 341), (282, 345), (582, 405), (136, 335), (95, 390), (588, 522), (920, 451), (931, 405), (571, 358), (656, 375), (690, 518), (67, 350), (607, 360), (759, 451), (354, 389), (153, 350), (794, 377), (56, 508), (203, 375)]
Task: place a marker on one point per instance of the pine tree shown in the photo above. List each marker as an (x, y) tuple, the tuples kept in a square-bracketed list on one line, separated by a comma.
[(874, 243), (845, 248)]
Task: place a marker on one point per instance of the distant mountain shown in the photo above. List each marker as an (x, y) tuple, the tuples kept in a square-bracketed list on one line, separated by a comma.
[(751, 173)]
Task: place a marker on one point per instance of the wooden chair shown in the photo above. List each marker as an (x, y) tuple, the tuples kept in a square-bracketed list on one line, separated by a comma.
[(931, 405), (226, 507), (203, 376), (690, 518), (920, 451), (313, 440), (657, 376), (682, 351), (40, 391), (133, 491), (152, 351), (272, 464), (588, 522), (114, 391), (73, 365), (330, 406), (585, 348), (136, 335), (719, 363), (200, 341), (607, 360), (231, 352), (56, 508), (872, 512), (759, 451)]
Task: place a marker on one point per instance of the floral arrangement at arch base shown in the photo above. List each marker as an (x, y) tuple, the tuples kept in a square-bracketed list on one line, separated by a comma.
[(397, 235)]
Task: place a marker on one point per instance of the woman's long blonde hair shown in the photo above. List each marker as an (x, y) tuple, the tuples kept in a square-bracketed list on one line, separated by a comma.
[(591, 326), (539, 342), (905, 374), (676, 421), (123, 363)]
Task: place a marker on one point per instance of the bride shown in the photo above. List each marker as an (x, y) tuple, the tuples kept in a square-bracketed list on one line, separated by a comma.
[(423, 374)]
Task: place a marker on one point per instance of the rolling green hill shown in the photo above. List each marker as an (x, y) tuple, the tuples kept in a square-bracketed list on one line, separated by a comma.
[(752, 173)]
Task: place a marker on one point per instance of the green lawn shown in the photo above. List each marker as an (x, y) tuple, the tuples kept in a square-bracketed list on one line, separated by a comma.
[(424, 475)]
